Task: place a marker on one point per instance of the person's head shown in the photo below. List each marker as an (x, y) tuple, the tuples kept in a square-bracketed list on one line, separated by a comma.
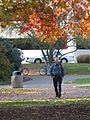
[(57, 60)]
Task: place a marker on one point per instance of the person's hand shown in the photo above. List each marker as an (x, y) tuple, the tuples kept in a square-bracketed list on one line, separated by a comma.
[(53, 76)]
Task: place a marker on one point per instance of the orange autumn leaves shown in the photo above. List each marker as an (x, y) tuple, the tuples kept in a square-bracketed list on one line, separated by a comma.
[(79, 23), (84, 23), (82, 28), (46, 28), (44, 17), (85, 27)]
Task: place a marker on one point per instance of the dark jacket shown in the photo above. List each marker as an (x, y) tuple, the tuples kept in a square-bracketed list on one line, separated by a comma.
[(57, 69)]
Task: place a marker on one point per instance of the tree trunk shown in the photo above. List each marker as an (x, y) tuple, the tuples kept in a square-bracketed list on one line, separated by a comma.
[(44, 54), (51, 56)]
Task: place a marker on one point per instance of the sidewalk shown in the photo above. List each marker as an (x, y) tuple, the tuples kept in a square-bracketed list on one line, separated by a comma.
[(41, 87), (46, 81)]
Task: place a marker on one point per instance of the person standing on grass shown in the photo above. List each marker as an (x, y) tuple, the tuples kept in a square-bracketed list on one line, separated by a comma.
[(57, 73)]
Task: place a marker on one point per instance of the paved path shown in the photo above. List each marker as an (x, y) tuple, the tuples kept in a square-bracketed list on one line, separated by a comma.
[(41, 87), (46, 81)]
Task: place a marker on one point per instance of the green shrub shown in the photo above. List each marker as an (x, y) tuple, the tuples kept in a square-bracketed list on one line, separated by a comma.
[(5, 68), (83, 59), (14, 56)]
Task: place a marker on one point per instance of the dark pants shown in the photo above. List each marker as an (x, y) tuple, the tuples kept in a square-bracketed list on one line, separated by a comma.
[(57, 81)]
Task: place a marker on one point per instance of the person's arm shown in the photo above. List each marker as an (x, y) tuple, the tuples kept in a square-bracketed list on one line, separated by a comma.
[(51, 68), (62, 70)]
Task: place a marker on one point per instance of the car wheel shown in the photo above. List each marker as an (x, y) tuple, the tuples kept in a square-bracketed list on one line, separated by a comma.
[(64, 60), (37, 61)]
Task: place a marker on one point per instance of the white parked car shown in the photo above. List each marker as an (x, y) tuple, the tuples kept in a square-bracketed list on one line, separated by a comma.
[(35, 56), (66, 57), (39, 59)]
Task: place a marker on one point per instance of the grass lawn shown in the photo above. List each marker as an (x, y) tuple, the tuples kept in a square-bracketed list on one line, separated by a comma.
[(81, 86), (70, 68), (48, 102), (80, 81), (77, 68), (33, 66)]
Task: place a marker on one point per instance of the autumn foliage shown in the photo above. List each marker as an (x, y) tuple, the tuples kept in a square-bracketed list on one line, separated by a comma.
[(49, 19)]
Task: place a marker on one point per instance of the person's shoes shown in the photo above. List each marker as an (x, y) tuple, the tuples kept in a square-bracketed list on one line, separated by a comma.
[(59, 95), (56, 96)]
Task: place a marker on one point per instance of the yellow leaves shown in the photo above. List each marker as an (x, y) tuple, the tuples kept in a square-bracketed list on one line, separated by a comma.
[(3, 25), (11, 91), (44, 17), (56, 1), (45, 23), (79, 13), (77, 1), (7, 0), (88, 8), (85, 27), (47, 28), (48, 10), (87, 15), (59, 11)]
